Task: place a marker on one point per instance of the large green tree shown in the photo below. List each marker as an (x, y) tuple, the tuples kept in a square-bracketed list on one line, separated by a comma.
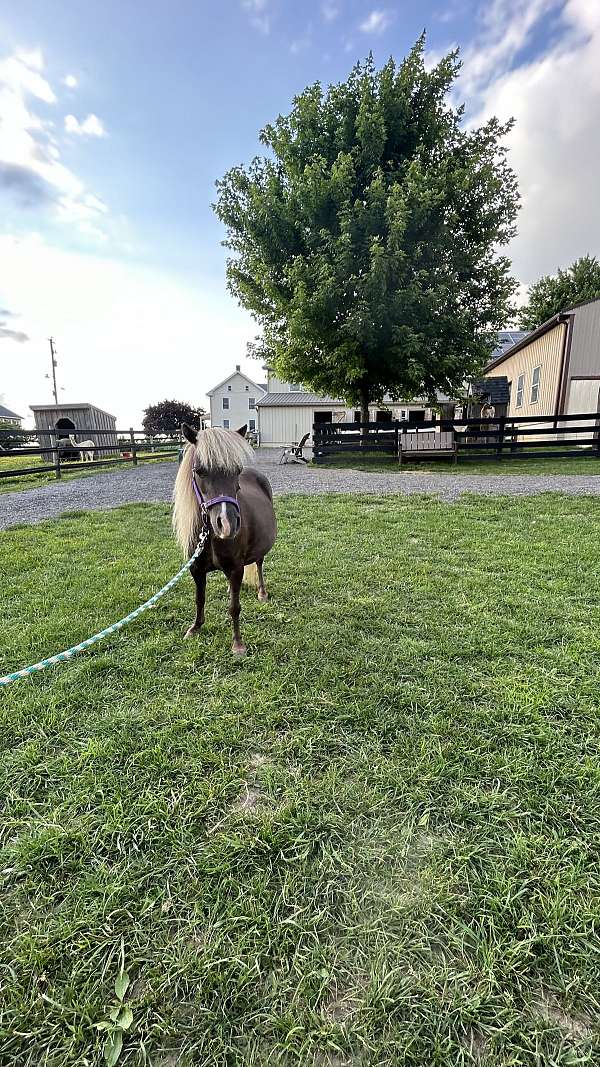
[(560, 291), (167, 416), (366, 242)]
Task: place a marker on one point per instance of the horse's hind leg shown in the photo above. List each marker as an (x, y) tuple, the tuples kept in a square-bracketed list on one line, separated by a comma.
[(200, 580), (262, 589), (235, 584)]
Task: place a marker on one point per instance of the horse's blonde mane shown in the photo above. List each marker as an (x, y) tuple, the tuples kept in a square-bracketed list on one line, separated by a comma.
[(216, 450)]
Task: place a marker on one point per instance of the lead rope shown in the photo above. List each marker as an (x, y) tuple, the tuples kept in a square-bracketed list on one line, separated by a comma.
[(62, 657)]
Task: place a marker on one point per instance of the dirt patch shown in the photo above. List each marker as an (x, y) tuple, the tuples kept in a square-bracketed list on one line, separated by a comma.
[(477, 1045), (249, 798), (577, 1027)]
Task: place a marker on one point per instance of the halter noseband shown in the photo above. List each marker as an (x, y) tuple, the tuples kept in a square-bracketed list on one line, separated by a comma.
[(206, 504)]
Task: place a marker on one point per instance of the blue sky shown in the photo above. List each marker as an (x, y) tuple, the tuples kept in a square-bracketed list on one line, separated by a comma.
[(116, 119)]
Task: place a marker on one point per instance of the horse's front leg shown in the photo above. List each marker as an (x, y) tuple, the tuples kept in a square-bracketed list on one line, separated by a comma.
[(235, 584), (199, 576)]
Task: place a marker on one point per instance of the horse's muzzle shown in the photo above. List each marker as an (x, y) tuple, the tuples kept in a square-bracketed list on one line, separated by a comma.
[(225, 522)]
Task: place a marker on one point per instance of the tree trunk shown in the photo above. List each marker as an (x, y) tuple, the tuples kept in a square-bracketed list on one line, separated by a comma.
[(364, 413)]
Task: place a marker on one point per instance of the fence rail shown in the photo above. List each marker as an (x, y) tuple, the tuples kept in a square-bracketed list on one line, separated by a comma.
[(499, 437), (132, 446)]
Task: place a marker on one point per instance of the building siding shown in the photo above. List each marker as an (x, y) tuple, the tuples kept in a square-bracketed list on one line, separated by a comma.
[(584, 361), (545, 352)]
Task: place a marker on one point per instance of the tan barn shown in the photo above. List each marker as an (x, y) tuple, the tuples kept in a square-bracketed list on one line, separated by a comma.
[(555, 370)]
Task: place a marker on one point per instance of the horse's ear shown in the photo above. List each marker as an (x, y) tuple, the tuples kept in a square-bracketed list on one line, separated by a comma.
[(189, 433), (242, 430)]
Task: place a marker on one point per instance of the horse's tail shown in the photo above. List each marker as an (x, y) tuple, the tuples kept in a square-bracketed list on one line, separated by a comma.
[(251, 576)]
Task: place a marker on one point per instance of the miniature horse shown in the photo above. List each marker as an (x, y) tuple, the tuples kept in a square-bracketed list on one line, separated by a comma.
[(217, 489)]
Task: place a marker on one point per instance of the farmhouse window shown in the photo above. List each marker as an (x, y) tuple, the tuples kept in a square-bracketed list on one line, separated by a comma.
[(252, 425), (225, 424), (535, 384), (251, 403), (225, 403)]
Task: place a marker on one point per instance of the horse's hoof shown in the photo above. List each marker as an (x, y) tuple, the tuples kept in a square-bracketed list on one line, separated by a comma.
[(263, 597), (191, 632), (239, 650)]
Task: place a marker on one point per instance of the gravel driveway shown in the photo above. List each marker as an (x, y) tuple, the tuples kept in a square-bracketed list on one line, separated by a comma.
[(154, 482)]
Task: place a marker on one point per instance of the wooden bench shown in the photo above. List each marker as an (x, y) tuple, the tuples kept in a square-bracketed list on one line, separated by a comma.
[(427, 444)]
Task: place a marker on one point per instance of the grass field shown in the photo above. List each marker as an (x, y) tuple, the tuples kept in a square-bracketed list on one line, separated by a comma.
[(584, 465), (374, 841)]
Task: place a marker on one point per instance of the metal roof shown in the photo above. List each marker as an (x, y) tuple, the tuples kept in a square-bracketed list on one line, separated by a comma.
[(294, 400), (6, 413)]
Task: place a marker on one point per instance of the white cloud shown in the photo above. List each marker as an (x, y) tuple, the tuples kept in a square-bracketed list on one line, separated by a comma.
[(506, 28), (554, 146), (330, 10), (92, 126), (126, 336), (70, 81), (30, 158), (259, 14), (376, 22)]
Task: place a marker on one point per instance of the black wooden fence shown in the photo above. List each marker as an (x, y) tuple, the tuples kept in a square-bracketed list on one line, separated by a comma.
[(129, 446), (504, 437)]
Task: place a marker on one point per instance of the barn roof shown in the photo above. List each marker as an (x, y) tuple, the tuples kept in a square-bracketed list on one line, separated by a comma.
[(69, 407), (6, 413), (295, 400)]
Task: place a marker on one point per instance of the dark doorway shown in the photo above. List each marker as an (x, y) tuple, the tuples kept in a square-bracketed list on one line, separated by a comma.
[(415, 417), (383, 416), (357, 416), (323, 416), (63, 428)]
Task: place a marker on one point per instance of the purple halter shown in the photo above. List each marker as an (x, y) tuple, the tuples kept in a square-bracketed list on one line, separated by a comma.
[(206, 504)]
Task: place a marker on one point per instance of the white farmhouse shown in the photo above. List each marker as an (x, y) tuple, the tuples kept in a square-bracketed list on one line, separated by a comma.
[(233, 402)]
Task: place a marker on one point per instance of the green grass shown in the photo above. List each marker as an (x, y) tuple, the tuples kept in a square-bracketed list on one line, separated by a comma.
[(583, 465), (375, 841), (29, 481)]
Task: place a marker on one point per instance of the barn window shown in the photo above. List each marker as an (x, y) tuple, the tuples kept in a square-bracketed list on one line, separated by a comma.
[(520, 389), (535, 384), (225, 424), (251, 403), (225, 403)]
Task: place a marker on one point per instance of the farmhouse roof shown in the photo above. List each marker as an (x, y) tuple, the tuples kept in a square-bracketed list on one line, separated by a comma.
[(236, 373), (6, 413)]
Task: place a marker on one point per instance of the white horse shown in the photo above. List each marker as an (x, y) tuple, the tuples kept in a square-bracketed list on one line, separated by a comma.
[(85, 448)]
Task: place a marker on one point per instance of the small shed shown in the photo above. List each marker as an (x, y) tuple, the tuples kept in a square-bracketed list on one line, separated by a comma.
[(55, 423)]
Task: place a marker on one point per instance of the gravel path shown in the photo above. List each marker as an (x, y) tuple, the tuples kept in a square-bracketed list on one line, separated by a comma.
[(154, 482)]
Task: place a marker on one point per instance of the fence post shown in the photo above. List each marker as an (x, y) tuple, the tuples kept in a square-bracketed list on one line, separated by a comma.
[(133, 447), (57, 464), (396, 437), (501, 432)]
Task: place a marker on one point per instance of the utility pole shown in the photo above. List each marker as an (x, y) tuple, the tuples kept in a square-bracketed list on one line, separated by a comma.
[(53, 358)]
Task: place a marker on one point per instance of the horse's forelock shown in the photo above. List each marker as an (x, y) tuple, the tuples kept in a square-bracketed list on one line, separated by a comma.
[(225, 451)]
